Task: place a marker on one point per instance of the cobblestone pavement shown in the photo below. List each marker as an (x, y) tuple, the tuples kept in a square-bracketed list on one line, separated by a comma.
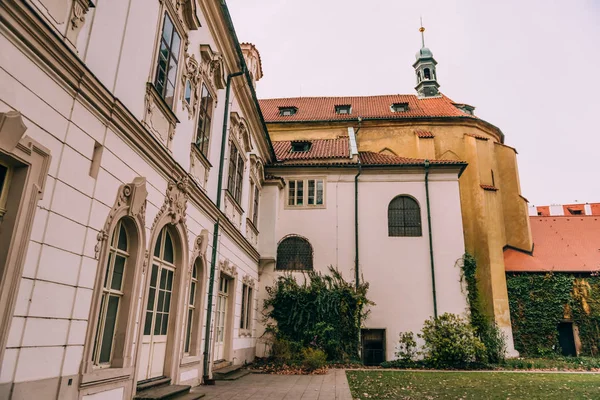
[(332, 386)]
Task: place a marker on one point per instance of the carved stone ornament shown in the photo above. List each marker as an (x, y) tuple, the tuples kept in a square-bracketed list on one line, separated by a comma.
[(186, 12), (201, 244), (132, 198), (175, 203), (212, 67), (227, 268), (257, 169), (191, 74), (249, 281), (80, 8), (239, 132), (12, 129)]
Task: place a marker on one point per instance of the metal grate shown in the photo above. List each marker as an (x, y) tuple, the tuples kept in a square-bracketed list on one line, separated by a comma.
[(294, 253), (404, 217)]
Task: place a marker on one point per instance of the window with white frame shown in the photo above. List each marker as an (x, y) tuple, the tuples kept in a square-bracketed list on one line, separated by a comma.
[(191, 310), (168, 60), (236, 173), (204, 120), (112, 295), (246, 317), (307, 192)]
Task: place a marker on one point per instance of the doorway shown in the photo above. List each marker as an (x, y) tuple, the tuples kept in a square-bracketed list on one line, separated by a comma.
[(566, 339), (156, 321), (224, 300), (373, 346)]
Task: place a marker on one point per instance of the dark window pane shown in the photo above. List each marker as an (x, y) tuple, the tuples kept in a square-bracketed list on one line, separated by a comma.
[(117, 278), (188, 333), (169, 280), (311, 191), (165, 324), (244, 299), (404, 217), (168, 255), (192, 293), (148, 323), (300, 193), (167, 307), (161, 300), (109, 329), (249, 308), (151, 294), (108, 266), (157, 245), (292, 193), (154, 273), (294, 253), (195, 271), (98, 328), (157, 323), (319, 192), (3, 173), (122, 239)]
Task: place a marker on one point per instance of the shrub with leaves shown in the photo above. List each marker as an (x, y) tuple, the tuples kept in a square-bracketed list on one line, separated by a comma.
[(313, 359), (324, 311), (407, 347), (450, 342)]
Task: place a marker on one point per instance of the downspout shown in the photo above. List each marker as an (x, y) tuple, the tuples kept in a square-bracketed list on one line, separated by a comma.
[(356, 254), (213, 260), (435, 313)]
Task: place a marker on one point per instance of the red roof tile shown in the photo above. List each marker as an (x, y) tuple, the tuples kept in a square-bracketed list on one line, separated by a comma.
[(371, 158), (566, 244), (320, 149), (375, 107), (424, 134), (478, 137)]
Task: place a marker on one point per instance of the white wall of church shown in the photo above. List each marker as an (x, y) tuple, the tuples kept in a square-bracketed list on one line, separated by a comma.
[(398, 269)]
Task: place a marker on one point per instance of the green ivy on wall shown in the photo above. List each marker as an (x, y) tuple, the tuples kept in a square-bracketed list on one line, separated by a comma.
[(538, 302)]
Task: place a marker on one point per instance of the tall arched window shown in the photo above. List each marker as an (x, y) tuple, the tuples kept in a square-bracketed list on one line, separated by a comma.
[(427, 73), (404, 217), (294, 253), (192, 322), (112, 295)]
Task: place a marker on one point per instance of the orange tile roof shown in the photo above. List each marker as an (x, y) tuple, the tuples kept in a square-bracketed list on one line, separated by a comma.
[(478, 137), (425, 134), (489, 187), (565, 244), (337, 152), (366, 107)]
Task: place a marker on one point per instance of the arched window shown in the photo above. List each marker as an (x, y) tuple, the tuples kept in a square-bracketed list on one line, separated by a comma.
[(427, 73), (404, 217), (112, 295), (192, 322), (294, 253)]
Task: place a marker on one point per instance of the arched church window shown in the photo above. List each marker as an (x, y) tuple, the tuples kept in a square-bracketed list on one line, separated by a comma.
[(294, 253), (427, 73), (404, 217)]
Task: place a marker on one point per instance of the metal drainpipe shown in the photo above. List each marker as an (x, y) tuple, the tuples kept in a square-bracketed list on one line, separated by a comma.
[(213, 260), (435, 313), (356, 271)]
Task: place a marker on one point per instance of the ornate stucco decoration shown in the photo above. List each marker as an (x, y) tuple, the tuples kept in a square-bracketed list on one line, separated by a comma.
[(191, 77), (212, 67), (239, 133), (159, 118), (257, 170), (186, 12), (228, 268), (131, 201), (200, 245), (175, 204), (252, 58), (12, 129), (79, 9), (249, 281)]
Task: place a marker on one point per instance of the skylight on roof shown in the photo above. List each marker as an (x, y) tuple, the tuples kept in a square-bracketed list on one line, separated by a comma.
[(301, 146), (287, 111), (343, 109), (399, 107)]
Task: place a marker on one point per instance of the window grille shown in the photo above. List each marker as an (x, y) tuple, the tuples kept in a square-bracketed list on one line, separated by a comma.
[(294, 253), (404, 217)]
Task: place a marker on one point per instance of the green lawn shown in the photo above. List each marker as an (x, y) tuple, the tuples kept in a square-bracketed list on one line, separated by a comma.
[(472, 385)]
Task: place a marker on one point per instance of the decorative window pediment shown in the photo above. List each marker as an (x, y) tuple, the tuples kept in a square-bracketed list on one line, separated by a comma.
[(257, 170), (240, 133), (212, 66), (186, 12)]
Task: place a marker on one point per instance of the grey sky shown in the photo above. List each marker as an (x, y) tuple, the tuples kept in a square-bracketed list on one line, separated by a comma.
[(530, 67)]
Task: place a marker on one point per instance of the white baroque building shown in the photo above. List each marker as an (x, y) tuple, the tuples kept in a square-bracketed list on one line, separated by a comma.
[(132, 182)]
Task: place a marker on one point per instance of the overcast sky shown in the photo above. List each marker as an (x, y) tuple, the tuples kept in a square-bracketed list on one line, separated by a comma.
[(529, 67)]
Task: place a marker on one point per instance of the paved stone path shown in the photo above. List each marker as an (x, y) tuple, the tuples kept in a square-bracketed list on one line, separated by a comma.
[(332, 386)]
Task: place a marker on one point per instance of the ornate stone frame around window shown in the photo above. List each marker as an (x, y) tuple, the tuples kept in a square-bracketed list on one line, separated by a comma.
[(31, 162), (130, 203)]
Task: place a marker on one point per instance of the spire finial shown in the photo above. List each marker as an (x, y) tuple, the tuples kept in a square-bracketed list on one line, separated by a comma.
[(422, 30)]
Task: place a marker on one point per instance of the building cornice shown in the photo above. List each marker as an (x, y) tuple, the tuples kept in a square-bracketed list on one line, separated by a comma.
[(27, 31)]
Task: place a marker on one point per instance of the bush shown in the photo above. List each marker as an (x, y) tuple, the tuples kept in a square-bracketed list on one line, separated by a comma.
[(407, 347), (450, 342), (284, 351), (494, 341), (313, 359)]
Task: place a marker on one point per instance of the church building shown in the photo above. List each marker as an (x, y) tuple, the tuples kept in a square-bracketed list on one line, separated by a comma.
[(148, 198)]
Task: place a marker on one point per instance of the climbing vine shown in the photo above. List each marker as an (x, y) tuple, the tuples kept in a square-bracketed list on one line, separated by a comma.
[(538, 302), (324, 311)]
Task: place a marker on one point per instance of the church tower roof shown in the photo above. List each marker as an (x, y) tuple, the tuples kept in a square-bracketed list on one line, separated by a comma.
[(427, 85)]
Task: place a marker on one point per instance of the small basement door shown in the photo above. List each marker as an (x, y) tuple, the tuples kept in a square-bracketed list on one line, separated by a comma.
[(373, 346), (566, 339)]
